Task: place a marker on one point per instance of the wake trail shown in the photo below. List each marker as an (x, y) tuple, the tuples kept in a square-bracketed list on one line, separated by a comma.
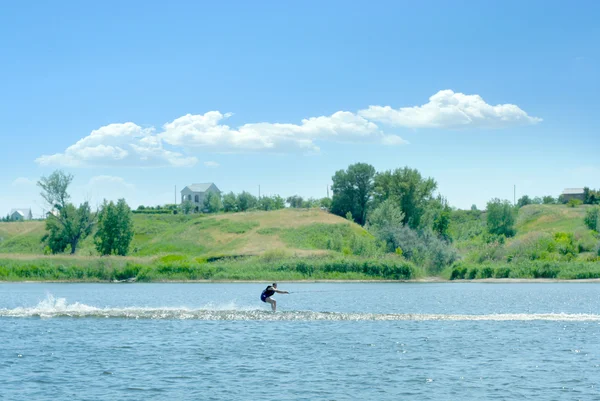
[(59, 308)]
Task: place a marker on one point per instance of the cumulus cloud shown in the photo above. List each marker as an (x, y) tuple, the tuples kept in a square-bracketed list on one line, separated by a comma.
[(118, 145), (128, 144), (447, 109), (208, 132), (109, 180), (211, 164)]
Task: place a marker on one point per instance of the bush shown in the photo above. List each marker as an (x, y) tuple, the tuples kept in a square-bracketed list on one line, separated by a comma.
[(574, 202), (500, 218), (592, 218)]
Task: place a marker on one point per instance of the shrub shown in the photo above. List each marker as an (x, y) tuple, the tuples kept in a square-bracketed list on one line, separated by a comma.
[(500, 218), (592, 218), (574, 202)]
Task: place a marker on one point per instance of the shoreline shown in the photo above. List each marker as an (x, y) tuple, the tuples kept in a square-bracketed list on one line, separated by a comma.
[(426, 280)]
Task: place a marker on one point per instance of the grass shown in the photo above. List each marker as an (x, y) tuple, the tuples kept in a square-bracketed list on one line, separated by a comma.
[(551, 241), (169, 268), (251, 233)]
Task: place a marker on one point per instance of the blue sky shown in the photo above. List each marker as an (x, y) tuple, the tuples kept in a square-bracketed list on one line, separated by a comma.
[(136, 97)]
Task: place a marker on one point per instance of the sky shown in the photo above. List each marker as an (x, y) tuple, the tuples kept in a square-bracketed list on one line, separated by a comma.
[(138, 99)]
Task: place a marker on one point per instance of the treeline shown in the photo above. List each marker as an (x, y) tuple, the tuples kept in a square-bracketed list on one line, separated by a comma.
[(231, 203), (590, 197), (400, 208)]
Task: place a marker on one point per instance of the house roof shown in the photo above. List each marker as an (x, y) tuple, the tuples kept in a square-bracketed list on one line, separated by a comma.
[(200, 187), (22, 212), (573, 191)]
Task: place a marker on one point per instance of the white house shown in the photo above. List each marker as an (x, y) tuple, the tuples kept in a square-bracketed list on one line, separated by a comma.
[(195, 193), (20, 214)]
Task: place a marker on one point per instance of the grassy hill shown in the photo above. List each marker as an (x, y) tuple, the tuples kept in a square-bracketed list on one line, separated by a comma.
[(551, 241), (293, 231)]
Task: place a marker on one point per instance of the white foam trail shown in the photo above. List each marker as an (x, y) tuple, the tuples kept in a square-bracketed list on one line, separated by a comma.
[(59, 308)]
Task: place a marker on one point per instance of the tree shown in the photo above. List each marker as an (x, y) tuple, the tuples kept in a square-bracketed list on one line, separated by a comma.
[(69, 227), (229, 203), (592, 218), (54, 189), (246, 201), (275, 202), (409, 189), (71, 224), (548, 200), (187, 207), (295, 201), (325, 203), (500, 218), (212, 202), (524, 201), (474, 207), (352, 191), (115, 228)]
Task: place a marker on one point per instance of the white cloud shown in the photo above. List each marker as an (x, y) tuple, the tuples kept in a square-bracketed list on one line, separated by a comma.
[(211, 164), (22, 182), (447, 109), (110, 180), (118, 144), (207, 131), (128, 144)]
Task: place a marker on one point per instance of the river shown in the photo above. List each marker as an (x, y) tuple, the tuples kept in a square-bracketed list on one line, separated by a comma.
[(327, 341)]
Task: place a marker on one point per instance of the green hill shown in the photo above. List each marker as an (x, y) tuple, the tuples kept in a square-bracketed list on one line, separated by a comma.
[(293, 231)]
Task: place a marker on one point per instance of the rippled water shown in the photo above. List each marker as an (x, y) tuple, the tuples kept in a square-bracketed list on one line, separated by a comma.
[(326, 341)]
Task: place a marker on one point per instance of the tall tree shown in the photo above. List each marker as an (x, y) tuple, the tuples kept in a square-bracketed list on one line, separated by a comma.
[(501, 218), (409, 189), (115, 228), (71, 224), (352, 191), (229, 203), (54, 189), (246, 201), (212, 202)]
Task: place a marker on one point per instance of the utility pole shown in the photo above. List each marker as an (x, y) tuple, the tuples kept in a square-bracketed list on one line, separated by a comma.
[(175, 195), (515, 196), (328, 191), (259, 191)]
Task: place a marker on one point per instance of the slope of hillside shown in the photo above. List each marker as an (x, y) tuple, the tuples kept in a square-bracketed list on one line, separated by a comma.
[(253, 233)]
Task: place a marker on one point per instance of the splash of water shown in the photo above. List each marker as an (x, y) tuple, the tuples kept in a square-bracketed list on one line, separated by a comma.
[(59, 308)]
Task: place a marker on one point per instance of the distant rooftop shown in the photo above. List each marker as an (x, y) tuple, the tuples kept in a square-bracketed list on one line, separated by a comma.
[(200, 187), (22, 212), (572, 191)]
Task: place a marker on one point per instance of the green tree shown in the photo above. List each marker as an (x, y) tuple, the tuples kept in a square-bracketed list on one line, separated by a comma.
[(115, 228), (229, 203), (295, 201), (592, 218), (352, 191), (246, 201), (271, 203), (548, 200), (187, 207), (501, 218), (69, 227), (474, 207), (212, 202), (325, 203), (409, 189), (54, 189), (71, 224), (524, 201)]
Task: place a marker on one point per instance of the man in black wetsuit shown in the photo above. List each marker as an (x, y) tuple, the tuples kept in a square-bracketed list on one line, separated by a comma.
[(268, 293)]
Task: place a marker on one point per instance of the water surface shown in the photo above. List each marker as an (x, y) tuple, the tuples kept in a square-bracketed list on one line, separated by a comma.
[(327, 341)]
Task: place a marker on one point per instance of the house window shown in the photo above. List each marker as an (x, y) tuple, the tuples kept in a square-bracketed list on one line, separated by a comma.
[(197, 199), (189, 197)]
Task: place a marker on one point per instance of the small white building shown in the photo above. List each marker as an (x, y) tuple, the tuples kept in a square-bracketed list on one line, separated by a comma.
[(195, 193), (20, 214)]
